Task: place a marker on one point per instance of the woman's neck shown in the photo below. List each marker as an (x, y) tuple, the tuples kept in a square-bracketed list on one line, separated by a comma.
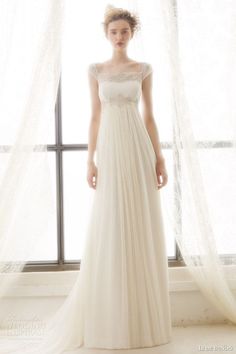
[(119, 57)]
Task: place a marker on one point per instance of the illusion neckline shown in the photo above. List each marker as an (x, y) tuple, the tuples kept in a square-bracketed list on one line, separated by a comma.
[(121, 72)]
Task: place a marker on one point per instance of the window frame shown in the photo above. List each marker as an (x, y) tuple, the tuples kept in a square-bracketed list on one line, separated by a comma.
[(61, 264)]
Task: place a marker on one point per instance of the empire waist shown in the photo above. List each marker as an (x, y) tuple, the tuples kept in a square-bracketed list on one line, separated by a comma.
[(119, 102)]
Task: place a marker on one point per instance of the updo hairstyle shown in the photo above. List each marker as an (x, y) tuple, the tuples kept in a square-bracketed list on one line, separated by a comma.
[(116, 13)]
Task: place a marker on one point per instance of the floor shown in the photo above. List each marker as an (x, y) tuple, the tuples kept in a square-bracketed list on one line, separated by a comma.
[(186, 340)]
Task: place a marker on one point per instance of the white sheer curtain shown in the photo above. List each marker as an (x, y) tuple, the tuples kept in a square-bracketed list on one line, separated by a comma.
[(200, 41), (195, 51), (30, 37)]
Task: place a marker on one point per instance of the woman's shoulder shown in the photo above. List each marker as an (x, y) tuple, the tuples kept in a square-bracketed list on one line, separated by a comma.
[(147, 69), (92, 69), (97, 66), (147, 64)]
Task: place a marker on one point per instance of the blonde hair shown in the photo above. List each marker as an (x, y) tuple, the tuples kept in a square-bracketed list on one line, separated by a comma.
[(113, 13)]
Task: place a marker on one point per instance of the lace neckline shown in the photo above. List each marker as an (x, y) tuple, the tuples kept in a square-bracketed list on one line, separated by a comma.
[(121, 73)]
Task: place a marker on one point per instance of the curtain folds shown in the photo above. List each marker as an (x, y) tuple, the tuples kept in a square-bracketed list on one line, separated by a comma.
[(30, 40), (204, 142)]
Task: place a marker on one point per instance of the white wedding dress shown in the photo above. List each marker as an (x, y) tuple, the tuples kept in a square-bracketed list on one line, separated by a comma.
[(121, 297)]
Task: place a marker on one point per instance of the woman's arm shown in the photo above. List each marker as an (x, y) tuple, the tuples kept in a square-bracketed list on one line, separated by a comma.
[(93, 130), (148, 116), (95, 117), (151, 127)]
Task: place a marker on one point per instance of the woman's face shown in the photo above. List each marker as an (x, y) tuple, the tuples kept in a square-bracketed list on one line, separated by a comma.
[(119, 34)]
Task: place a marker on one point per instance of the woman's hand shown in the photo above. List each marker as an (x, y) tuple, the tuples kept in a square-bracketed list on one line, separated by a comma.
[(92, 175), (162, 176)]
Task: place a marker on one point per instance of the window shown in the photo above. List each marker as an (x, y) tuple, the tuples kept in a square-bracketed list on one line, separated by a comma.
[(68, 145)]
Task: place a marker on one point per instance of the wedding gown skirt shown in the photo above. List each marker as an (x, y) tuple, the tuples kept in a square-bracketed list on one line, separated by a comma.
[(121, 296)]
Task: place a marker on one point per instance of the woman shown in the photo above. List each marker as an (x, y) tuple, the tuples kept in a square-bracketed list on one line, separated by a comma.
[(120, 299), (132, 309)]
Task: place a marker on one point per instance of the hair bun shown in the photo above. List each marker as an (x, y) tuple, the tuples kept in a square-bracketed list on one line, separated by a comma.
[(109, 7), (113, 13)]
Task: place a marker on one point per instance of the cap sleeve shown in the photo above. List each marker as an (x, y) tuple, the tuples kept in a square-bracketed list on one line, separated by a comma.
[(147, 70), (92, 70)]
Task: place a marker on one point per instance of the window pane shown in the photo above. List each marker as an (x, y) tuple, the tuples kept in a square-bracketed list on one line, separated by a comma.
[(221, 195), (4, 158), (47, 250), (77, 202), (166, 195), (75, 90), (75, 106), (11, 112)]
